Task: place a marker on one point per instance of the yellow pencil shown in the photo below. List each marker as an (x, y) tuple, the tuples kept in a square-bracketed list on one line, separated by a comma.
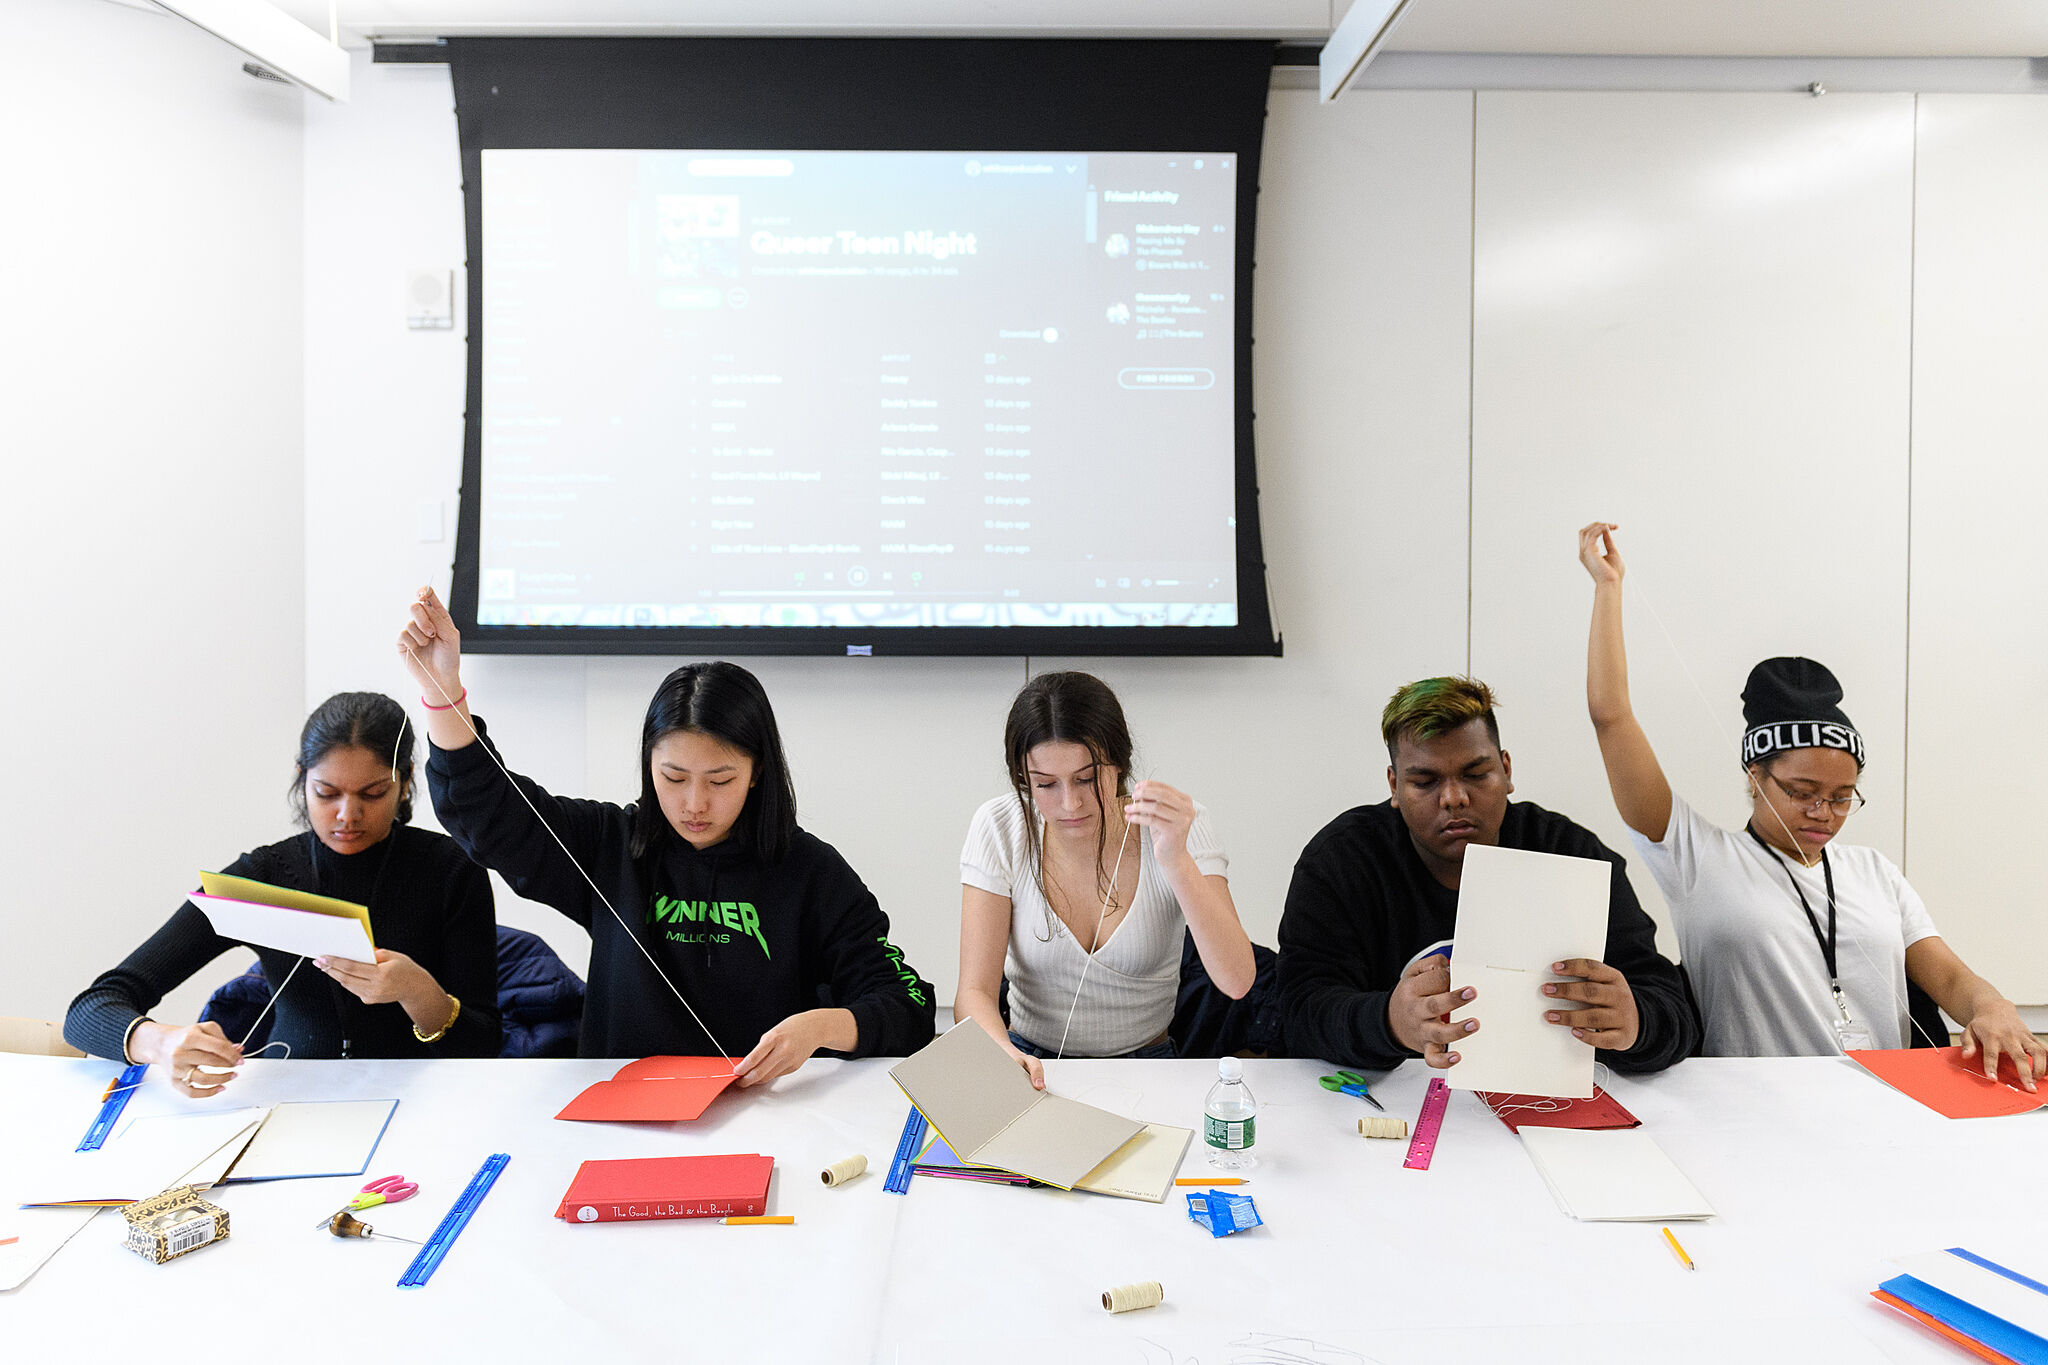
[(1679, 1251), (777, 1218), (1221, 1180)]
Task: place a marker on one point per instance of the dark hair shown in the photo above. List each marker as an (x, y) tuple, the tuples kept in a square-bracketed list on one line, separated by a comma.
[(727, 703), (1436, 706), (356, 720), (1073, 708)]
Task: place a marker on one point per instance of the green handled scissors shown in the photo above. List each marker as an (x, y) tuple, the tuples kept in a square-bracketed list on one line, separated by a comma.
[(1350, 1083)]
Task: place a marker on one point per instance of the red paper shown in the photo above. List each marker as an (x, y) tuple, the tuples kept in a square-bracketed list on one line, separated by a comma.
[(1602, 1111), (654, 1090), (1940, 1079), (1968, 1343), (668, 1187)]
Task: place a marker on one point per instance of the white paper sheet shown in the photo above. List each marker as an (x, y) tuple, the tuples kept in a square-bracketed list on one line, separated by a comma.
[(151, 1154), (2024, 1308), (304, 932), (1613, 1175), (335, 1137), (1518, 912), (39, 1234)]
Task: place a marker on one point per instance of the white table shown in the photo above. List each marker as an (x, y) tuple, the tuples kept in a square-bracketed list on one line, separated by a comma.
[(1819, 1172)]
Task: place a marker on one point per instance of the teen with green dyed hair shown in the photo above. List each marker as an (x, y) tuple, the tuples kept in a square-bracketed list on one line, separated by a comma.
[(1365, 938)]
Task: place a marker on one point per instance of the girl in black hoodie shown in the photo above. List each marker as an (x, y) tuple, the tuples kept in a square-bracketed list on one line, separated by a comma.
[(716, 924)]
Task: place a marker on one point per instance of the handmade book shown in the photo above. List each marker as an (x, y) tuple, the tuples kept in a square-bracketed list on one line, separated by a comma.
[(989, 1113), (639, 1188), (266, 916), (1518, 912), (1939, 1078), (655, 1090)]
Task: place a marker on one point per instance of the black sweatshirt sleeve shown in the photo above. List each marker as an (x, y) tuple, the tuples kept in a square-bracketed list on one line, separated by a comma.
[(99, 1019), (469, 954), (1668, 1022), (483, 813), (861, 971), (1326, 1000)]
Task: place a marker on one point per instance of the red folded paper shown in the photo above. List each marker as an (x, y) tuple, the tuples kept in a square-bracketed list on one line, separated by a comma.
[(1519, 1111), (1939, 1078), (667, 1187), (654, 1090), (1932, 1323)]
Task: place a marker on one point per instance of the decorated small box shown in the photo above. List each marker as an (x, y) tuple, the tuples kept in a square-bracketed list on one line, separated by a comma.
[(165, 1226)]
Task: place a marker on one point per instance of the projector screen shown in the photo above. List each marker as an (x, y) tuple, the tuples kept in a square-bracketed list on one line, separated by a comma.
[(865, 399)]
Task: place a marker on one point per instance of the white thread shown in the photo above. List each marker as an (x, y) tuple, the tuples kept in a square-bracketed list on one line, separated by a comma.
[(455, 706), (1126, 1298), (839, 1172), (266, 1008), (404, 719), (1088, 959), (1881, 974), (1382, 1126)]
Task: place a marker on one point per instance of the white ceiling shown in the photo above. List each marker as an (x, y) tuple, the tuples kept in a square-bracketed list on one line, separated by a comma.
[(1744, 28)]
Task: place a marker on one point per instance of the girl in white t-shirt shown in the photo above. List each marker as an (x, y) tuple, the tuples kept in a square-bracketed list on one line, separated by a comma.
[(1077, 886), (1796, 945)]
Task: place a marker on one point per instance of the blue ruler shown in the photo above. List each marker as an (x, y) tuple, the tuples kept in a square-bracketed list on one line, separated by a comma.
[(111, 1105), (457, 1218), (907, 1148)]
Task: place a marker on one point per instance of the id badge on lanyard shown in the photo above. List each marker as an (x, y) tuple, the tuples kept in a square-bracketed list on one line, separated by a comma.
[(1851, 1034)]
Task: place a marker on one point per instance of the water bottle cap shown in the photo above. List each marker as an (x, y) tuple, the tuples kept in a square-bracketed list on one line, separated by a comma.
[(1229, 1069)]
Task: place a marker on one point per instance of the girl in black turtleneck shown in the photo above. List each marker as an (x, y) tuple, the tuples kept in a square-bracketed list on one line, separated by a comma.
[(432, 992), (715, 922)]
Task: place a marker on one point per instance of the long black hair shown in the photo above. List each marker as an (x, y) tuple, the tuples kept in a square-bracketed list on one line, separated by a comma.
[(727, 703), (356, 720), (1076, 708)]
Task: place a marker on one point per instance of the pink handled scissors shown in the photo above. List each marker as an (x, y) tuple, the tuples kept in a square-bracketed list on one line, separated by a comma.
[(390, 1189)]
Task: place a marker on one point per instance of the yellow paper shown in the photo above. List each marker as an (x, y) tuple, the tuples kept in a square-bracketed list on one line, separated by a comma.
[(261, 893)]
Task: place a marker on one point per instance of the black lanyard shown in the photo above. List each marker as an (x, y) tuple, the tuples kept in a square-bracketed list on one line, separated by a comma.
[(1827, 944)]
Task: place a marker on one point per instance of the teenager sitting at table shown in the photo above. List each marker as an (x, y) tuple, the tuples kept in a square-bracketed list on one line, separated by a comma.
[(1797, 944), (1080, 887), (432, 991), (1379, 885), (715, 921)]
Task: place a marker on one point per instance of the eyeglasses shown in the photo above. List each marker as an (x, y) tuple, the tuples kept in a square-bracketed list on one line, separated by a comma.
[(1809, 803)]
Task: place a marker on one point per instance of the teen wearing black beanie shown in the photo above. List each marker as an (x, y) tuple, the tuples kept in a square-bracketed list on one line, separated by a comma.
[(1797, 945)]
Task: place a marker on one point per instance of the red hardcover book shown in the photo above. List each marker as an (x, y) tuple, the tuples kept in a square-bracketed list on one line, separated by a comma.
[(667, 1187)]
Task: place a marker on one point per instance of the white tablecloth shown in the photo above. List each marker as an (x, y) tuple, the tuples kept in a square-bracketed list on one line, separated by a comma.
[(1818, 1171)]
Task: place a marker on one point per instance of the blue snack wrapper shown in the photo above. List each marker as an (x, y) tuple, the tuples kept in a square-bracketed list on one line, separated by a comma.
[(1222, 1213)]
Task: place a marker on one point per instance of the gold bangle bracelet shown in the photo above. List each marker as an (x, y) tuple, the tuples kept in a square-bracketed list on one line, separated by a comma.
[(454, 1013)]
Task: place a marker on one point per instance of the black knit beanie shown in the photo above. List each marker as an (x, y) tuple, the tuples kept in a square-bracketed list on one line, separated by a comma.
[(1794, 704)]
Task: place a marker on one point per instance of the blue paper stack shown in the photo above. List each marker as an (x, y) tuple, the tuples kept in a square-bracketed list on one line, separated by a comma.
[(1996, 1313)]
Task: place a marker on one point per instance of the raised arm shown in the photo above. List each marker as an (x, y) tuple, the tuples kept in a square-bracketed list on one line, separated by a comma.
[(1180, 845), (432, 650), (1641, 792)]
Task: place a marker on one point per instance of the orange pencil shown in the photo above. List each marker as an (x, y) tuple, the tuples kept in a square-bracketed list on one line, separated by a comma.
[(777, 1218), (1220, 1180)]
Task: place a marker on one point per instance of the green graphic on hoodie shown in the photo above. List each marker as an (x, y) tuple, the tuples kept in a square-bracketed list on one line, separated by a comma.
[(710, 918)]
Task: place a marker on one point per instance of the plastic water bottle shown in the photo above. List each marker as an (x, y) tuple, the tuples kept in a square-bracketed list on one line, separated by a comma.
[(1231, 1123)]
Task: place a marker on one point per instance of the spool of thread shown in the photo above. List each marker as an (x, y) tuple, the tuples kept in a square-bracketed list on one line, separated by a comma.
[(1383, 1127), (1127, 1298), (839, 1172)]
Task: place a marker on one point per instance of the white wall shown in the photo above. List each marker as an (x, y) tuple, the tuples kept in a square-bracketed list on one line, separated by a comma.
[(150, 368), (1689, 313), (1692, 319), (1978, 700)]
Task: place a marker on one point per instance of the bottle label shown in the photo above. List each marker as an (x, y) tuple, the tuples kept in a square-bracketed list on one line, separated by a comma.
[(1232, 1135)]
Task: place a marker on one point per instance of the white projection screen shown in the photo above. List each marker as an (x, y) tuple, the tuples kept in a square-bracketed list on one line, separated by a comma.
[(870, 399)]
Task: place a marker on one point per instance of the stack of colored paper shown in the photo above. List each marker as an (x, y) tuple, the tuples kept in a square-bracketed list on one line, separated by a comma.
[(1995, 1313)]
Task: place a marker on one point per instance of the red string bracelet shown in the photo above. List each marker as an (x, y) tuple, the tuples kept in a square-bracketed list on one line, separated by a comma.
[(450, 706)]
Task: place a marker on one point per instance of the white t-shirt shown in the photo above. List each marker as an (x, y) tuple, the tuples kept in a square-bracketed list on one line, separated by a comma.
[(1755, 964), (1128, 997)]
